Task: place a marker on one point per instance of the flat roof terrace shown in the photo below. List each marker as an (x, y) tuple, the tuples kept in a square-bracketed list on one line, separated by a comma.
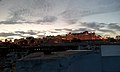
[(41, 55)]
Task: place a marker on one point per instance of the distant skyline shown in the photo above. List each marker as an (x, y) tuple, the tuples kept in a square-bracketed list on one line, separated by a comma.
[(22, 18)]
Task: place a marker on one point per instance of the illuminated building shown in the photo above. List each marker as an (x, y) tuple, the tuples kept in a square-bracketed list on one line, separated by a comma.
[(83, 36)]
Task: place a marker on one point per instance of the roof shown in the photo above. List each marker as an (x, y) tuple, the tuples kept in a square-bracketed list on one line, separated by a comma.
[(42, 56)]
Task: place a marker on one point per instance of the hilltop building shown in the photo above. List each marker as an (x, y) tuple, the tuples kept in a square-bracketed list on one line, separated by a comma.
[(83, 36)]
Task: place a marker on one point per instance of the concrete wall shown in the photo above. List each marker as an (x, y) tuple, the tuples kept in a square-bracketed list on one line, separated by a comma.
[(111, 64), (110, 50), (110, 58)]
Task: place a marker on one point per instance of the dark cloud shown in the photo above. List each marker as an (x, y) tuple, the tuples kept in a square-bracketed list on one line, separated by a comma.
[(93, 25), (102, 26), (81, 30), (65, 29), (74, 30), (30, 32), (53, 32), (40, 36), (10, 38), (72, 21), (28, 22), (114, 26), (10, 22), (58, 29), (8, 34), (15, 22), (21, 32), (16, 15), (107, 30), (47, 19), (44, 5), (21, 10)]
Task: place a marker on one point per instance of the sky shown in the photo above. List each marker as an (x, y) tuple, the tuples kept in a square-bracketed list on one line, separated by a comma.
[(38, 18)]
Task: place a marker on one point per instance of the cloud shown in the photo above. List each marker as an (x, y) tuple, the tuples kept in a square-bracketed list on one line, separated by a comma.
[(67, 29), (51, 10), (8, 34), (47, 19), (64, 29), (114, 26), (53, 32), (81, 8), (16, 16), (81, 30), (58, 29), (23, 10), (71, 21), (15, 22), (20, 20), (102, 27), (30, 32), (107, 30), (76, 30), (93, 25), (9, 22), (21, 32)]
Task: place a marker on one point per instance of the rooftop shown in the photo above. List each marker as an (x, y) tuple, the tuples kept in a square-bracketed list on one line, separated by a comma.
[(41, 55)]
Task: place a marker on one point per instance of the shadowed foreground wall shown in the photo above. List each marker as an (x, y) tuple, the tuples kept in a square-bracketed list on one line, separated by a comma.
[(72, 63)]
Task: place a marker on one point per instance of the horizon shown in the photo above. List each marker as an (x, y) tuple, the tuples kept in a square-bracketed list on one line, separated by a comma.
[(62, 35)]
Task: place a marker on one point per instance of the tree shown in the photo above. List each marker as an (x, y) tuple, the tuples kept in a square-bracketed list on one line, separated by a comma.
[(75, 40), (111, 40)]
